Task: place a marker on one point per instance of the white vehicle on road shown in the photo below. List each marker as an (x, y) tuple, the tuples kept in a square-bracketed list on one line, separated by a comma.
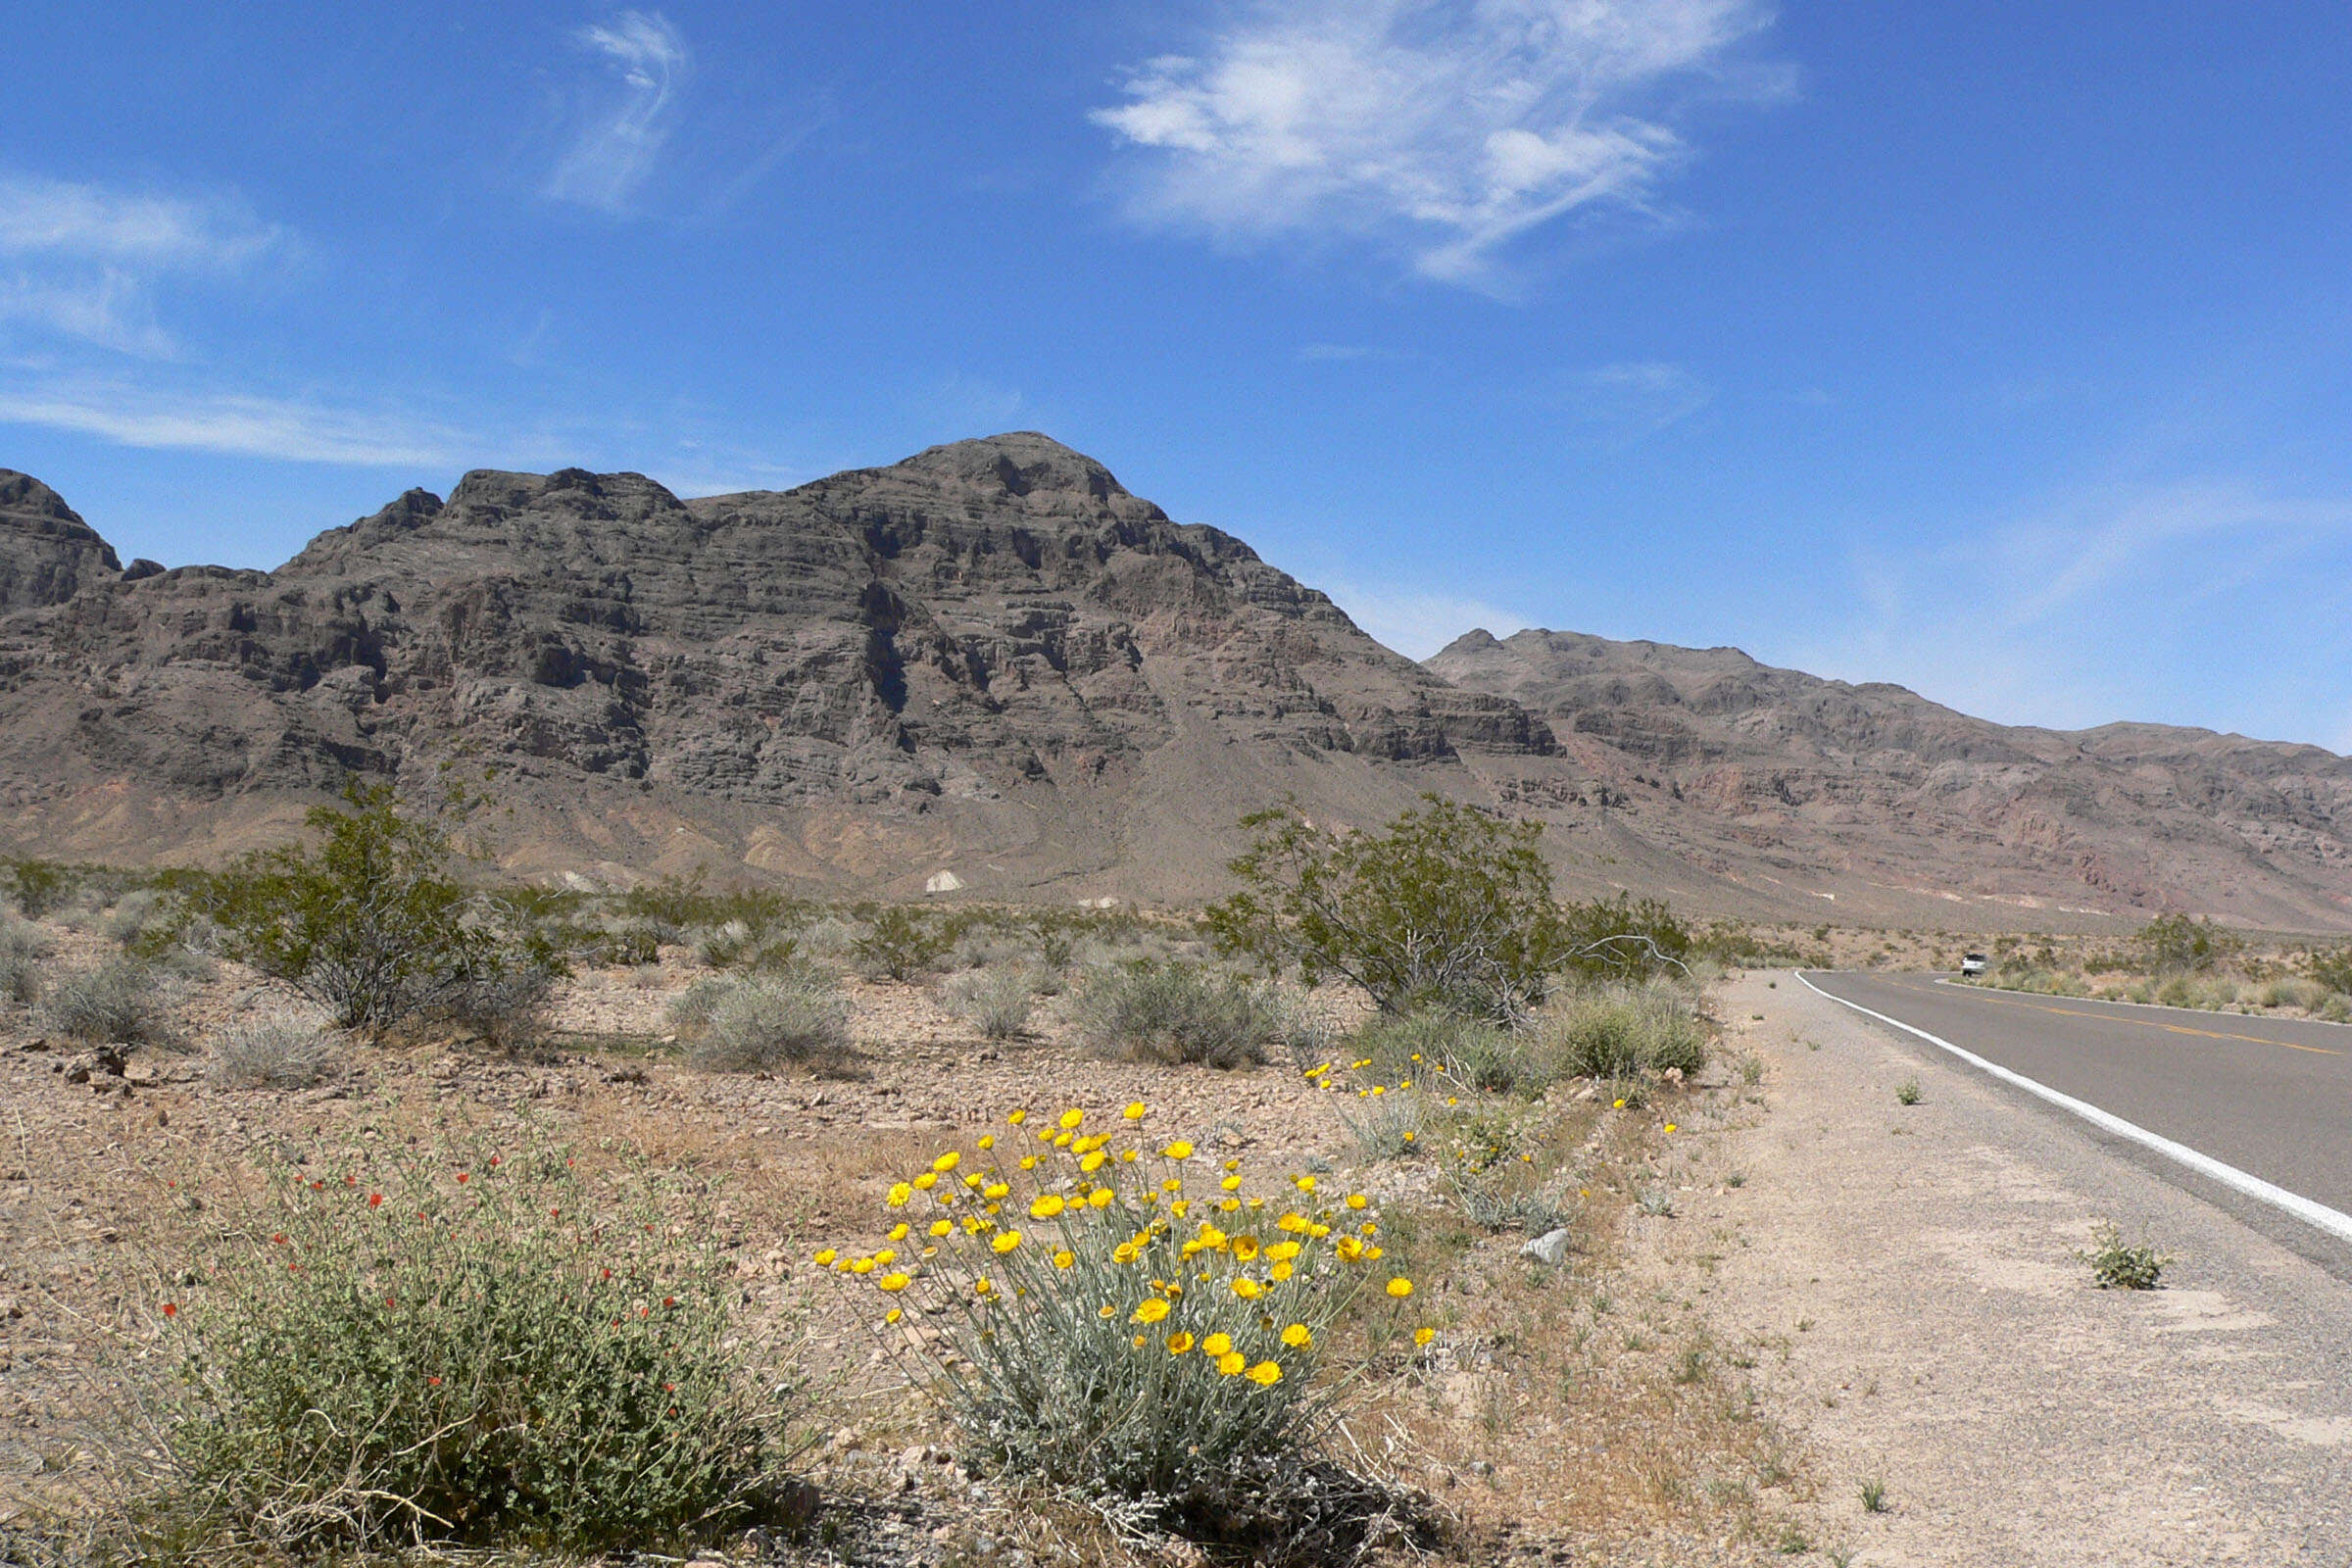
[(1973, 965)]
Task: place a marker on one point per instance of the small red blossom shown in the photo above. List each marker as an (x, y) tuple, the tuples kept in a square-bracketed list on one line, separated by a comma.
[(494, 1159), (462, 1178), (433, 1382), (669, 1300), (607, 1273), (387, 1301), (375, 1199), (351, 1181), (280, 1238), (171, 1310)]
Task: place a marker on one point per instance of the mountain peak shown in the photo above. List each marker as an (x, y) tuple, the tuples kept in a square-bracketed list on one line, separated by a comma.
[(1019, 462), (47, 553)]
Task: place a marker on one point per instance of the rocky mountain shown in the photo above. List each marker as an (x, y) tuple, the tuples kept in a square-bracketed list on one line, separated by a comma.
[(1872, 798), (990, 661), (990, 669)]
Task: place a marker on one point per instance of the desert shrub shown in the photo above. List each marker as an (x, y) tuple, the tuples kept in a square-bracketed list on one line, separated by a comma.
[(2174, 942), (898, 944), (1449, 908), (403, 1346), (682, 903), (2336, 1008), (120, 1001), (996, 1002), (635, 943), (282, 1052), (23, 947), (1624, 938), (1618, 1031), (759, 1023), (1175, 1014), (36, 887), (1430, 1042), (372, 925), (1169, 1361), (2331, 968), (128, 921), (502, 1006), (2120, 1265)]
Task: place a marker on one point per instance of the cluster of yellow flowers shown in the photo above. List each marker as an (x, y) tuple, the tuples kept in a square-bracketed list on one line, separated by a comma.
[(1119, 1237)]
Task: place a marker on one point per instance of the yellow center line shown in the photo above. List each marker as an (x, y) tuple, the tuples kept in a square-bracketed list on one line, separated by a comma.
[(2145, 1023)]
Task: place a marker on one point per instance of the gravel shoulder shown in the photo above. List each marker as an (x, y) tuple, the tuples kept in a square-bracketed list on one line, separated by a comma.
[(1908, 1277)]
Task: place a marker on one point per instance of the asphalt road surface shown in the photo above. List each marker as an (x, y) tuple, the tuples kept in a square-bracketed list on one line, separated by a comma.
[(2272, 1097)]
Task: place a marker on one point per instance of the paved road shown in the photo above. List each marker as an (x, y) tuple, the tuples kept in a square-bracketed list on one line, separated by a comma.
[(2272, 1097)]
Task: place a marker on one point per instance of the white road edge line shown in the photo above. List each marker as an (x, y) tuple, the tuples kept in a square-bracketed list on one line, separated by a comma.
[(2334, 1222), (2152, 1006)]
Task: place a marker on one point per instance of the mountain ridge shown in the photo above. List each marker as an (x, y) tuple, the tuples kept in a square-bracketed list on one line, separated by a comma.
[(992, 658)]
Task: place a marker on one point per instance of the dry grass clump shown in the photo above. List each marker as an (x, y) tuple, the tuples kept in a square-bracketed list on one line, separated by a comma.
[(1163, 1356), (1177, 1013), (996, 1002), (759, 1023), (284, 1051), (117, 1004), (24, 946), (1624, 1031)]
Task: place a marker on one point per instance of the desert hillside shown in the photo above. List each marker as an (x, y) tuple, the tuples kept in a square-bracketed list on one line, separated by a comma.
[(994, 662)]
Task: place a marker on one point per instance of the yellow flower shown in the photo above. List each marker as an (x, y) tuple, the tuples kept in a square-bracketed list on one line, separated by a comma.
[(1005, 1241), (1230, 1204), (1047, 1207), (1349, 1248), (1062, 1139), (1100, 1198), (941, 1227), (988, 1140), (1265, 1374), (1424, 1334), (1071, 1118), (1179, 1206), (1217, 1345), (1125, 1252), (1244, 1248), (1298, 1337), (1128, 1157), (1670, 1126), (926, 1180), (1371, 1254), (1281, 1252), (1232, 1362), (1279, 1272), (1616, 1104), (1106, 1311), (1355, 1199), (892, 1315), (1017, 1117), (1179, 1149), (1063, 1259), (1174, 1184), (1305, 1184), (1093, 1162), (1233, 1164), (900, 1191), (826, 1256), (1139, 1342), (861, 1265), (1248, 1290), (981, 1287), (1179, 1343), (972, 1180), (1401, 1287), (886, 1255), (946, 1162), (994, 1190), (1133, 1112), (1231, 1184), (1152, 1312), (897, 1232), (894, 1282)]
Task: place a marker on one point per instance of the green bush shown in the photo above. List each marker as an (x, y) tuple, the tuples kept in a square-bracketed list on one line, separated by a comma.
[(372, 925), (2174, 942), (1618, 1031), (404, 1348), (23, 947), (37, 887), (119, 1003), (1622, 938), (1449, 907), (2332, 970), (2120, 1265), (998, 1002), (898, 946), (1176, 1013), (761, 1023)]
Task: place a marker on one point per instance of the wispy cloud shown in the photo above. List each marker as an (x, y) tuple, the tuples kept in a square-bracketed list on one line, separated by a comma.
[(294, 429), (1416, 624), (1617, 405), (82, 262), (1450, 126), (625, 111)]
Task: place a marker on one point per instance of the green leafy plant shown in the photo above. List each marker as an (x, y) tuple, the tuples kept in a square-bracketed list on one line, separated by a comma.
[(2171, 944), (404, 1346), (1175, 1014), (899, 944), (1874, 1494), (1624, 1031), (2120, 1265), (372, 924), (1907, 1093)]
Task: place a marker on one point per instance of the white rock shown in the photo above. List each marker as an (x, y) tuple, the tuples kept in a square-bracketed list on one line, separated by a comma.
[(1549, 1248), (943, 882)]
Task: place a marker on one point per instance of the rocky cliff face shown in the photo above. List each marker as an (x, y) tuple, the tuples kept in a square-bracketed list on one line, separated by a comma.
[(991, 649), (47, 553), (1871, 797)]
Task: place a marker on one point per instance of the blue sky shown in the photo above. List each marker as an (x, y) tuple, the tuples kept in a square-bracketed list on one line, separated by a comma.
[(1998, 350)]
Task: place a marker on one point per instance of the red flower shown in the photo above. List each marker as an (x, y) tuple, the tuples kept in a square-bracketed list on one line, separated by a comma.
[(669, 1388), (387, 1301), (462, 1178), (280, 1238), (493, 1159), (351, 1181), (645, 1312), (375, 1199), (318, 1187), (669, 1300), (171, 1310), (433, 1382), (607, 1273)]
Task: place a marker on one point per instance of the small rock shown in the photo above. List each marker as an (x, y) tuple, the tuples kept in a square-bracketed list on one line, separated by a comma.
[(1673, 1075), (1549, 1248), (1480, 1468), (916, 1457), (36, 1043)]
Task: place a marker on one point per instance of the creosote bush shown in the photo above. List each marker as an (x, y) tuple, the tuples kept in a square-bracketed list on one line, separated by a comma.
[(758, 1023), (1126, 1322), (1175, 1014), (406, 1347), (898, 944), (1619, 1031), (373, 925), (273, 1052), (23, 949)]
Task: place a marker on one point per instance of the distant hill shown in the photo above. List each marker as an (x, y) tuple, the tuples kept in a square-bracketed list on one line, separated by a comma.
[(991, 658), (1877, 796)]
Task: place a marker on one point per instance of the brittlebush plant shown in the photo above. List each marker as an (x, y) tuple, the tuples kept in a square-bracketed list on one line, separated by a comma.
[(416, 1347), (1119, 1321)]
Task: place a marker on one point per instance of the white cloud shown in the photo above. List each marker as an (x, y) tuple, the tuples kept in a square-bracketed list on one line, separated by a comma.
[(292, 429), (1617, 405), (1416, 624), (1453, 125), (82, 262), (626, 113)]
